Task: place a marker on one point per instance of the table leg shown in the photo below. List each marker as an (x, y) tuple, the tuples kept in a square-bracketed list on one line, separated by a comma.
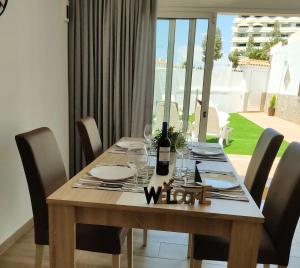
[(62, 236), (244, 244)]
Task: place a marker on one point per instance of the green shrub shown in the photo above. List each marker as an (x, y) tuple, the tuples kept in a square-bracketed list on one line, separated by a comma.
[(173, 136)]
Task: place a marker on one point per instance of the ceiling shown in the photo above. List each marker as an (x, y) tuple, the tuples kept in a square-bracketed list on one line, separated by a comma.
[(266, 7)]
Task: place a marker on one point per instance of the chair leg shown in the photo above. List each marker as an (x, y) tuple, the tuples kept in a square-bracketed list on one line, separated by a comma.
[(190, 246), (195, 263), (116, 261), (129, 248), (280, 266), (145, 237), (266, 265), (39, 252)]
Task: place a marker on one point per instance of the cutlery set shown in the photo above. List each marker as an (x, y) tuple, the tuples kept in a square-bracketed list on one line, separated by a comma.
[(94, 183), (218, 158)]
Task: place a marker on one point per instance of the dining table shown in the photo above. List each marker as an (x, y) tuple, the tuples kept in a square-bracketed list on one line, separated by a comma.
[(240, 222)]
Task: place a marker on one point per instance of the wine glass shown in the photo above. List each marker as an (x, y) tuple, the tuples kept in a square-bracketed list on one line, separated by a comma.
[(181, 147), (148, 136), (137, 159), (189, 138), (148, 133), (184, 127)]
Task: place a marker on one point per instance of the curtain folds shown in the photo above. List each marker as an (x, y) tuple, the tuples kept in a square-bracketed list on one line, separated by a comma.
[(111, 68)]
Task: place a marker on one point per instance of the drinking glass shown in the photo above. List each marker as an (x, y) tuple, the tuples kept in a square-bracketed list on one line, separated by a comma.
[(181, 147), (137, 158), (182, 127), (148, 133), (148, 138)]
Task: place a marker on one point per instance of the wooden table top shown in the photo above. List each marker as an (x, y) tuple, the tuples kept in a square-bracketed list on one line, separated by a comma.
[(92, 198)]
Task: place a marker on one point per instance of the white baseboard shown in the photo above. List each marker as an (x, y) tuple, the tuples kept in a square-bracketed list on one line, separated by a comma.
[(16, 236)]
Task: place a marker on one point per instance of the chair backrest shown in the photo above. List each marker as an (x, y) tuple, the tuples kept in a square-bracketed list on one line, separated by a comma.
[(261, 163), (213, 125), (90, 138), (174, 115), (45, 173), (282, 209)]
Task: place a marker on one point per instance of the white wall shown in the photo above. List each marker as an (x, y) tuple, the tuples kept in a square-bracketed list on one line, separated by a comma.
[(285, 67), (227, 88), (33, 93), (256, 78)]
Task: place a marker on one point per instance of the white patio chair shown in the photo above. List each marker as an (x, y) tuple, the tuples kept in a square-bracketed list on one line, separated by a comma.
[(174, 115), (217, 124)]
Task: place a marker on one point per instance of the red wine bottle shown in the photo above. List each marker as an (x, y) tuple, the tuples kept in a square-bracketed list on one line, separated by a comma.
[(163, 152)]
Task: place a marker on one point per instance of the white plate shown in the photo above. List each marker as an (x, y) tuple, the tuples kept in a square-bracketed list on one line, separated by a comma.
[(207, 151), (112, 173), (127, 144), (221, 184)]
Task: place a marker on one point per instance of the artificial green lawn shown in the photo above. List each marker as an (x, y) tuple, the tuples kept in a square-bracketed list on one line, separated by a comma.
[(244, 136)]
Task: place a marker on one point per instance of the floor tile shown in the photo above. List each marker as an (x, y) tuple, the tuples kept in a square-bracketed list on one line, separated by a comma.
[(151, 250), (168, 237), (173, 251)]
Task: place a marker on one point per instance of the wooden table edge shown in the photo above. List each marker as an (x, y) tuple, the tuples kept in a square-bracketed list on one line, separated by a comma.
[(157, 210)]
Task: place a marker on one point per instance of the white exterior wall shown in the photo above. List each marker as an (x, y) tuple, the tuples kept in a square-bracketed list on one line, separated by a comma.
[(227, 88), (256, 78), (285, 59)]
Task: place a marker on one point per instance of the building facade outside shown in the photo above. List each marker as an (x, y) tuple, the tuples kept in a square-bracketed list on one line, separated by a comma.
[(260, 28)]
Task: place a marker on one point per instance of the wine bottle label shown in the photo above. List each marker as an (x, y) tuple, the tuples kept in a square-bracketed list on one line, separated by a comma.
[(164, 153)]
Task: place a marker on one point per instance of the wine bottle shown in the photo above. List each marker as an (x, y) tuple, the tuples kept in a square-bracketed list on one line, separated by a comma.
[(163, 152)]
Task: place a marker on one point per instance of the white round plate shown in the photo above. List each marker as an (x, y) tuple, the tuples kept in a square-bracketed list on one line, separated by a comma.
[(207, 151), (112, 173), (221, 184), (127, 144)]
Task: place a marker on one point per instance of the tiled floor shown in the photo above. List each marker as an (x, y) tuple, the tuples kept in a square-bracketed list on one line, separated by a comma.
[(164, 250)]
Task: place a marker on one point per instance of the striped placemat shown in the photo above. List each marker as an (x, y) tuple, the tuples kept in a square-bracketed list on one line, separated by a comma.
[(129, 185)]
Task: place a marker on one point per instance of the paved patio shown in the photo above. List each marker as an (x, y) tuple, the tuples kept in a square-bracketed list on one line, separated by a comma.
[(241, 162), (291, 131)]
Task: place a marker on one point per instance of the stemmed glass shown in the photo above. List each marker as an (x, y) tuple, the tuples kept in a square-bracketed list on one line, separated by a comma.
[(184, 127), (148, 133), (181, 147), (148, 136), (137, 159), (187, 133)]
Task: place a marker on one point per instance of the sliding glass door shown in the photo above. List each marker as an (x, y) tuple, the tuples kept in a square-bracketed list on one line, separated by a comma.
[(183, 72)]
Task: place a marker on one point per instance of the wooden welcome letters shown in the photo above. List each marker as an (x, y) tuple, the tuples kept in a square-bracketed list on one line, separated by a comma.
[(186, 195)]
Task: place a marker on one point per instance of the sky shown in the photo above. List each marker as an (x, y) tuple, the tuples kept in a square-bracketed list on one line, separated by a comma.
[(224, 22)]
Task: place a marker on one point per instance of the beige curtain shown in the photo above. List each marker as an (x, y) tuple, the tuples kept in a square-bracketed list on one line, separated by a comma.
[(111, 68)]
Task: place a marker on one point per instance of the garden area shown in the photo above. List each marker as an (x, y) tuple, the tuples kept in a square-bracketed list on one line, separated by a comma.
[(244, 136)]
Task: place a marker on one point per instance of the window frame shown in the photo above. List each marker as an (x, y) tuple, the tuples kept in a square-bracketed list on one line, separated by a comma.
[(209, 59)]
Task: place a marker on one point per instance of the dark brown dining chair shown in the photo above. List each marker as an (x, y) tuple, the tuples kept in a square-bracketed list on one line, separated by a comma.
[(259, 167), (92, 145), (90, 138), (261, 162), (281, 211), (45, 173)]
